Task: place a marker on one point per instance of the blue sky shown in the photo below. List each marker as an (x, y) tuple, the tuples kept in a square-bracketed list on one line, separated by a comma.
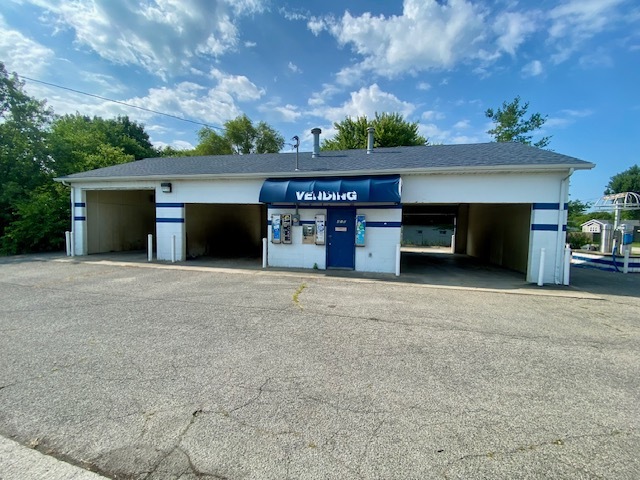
[(300, 65)]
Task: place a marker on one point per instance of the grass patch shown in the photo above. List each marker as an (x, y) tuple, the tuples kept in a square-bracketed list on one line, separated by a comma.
[(296, 295)]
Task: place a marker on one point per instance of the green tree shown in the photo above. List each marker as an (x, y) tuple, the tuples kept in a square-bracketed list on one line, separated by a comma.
[(627, 181), (510, 124), (212, 143), (240, 137), (390, 130), (80, 143), (25, 163)]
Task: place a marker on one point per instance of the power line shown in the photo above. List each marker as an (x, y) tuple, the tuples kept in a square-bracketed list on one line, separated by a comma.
[(121, 103)]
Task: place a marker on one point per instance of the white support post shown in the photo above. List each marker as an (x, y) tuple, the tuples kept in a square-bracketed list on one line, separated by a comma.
[(149, 247), (627, 251), (72, 243), (397, 260), (453, 243), (567, 265), (173, 249), (541, 268), (264, 252), (67, 242)]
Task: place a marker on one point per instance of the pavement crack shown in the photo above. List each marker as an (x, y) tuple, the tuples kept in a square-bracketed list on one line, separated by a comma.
[(253, 399), (525, 448)]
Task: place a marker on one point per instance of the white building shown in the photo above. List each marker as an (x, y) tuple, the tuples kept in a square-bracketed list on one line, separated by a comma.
[(332, 209)]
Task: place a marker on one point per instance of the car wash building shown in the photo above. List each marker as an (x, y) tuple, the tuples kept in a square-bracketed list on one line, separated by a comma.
[(333, 209)]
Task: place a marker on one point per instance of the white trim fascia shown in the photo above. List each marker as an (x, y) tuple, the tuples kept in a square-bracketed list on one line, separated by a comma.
[(460, 170)]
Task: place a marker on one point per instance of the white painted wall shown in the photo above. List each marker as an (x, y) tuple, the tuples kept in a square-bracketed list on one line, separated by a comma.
[(165, 231), (213, 191), (481, 188), (296, 254), (379, 252)]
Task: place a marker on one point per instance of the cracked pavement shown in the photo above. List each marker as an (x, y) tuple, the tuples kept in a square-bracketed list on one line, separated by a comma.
[(152, 373)]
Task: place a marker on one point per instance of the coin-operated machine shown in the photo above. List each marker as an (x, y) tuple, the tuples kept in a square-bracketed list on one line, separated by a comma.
[(320, 229), (286, 228)]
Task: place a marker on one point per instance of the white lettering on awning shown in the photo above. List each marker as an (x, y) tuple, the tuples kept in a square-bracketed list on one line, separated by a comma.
[(326, 196)]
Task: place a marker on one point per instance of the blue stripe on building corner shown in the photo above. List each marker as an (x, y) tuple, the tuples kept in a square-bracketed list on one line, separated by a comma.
[(169, 205), (384, 224), (546, 206), (169, 220), (549, 206), (79, 219), (79, 204), (547, 227)]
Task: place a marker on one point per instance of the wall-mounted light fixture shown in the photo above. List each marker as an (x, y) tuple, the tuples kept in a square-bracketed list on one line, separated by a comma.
[(166, 187)]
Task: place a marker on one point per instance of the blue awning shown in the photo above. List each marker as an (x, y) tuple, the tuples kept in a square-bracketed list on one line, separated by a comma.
[(384, 189)]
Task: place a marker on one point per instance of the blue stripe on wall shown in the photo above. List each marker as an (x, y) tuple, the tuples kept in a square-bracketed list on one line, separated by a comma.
[(546, 206), (547, 227), (169, 220), (169, 205), (384, 224), (80, 219), (80, 204)]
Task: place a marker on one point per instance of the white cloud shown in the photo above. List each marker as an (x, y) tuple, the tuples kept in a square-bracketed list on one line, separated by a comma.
[(320, 98), (238, 86), (177, 144), (285, 113), (575, 21), (366, 101), (316, 25), (294, 68), (533, 69), (250, 44), (428, 34), (424, 86), (431, 115), (21, 54), (461, 125), (512, 29), (162, 36), (566, 117), (191, 101)]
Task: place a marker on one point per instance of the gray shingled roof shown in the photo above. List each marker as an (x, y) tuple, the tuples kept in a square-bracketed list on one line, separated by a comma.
[(390, 160)]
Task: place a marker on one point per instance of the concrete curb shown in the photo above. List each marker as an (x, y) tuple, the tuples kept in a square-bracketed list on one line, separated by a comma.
[(534, 290), (18, 462)]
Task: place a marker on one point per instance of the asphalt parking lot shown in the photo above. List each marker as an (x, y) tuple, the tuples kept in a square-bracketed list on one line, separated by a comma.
[(159, 372)]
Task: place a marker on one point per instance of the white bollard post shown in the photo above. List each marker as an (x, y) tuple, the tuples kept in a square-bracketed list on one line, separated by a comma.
[(67, 242), (72, 244), (173, 249), (149, 247), (541, 268), (264, 253), (453, 243), (397, 260), (627, 251), (567, 265)]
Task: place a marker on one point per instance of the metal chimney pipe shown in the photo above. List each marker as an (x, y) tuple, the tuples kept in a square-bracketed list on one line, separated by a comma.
[(316, 142), (370, 131)]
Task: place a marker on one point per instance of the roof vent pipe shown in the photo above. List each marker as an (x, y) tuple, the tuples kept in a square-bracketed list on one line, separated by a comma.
[(370, 131), (316, 142)]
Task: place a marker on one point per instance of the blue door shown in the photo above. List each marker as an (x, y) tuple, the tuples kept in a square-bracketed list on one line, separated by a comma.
[(341, 246)]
